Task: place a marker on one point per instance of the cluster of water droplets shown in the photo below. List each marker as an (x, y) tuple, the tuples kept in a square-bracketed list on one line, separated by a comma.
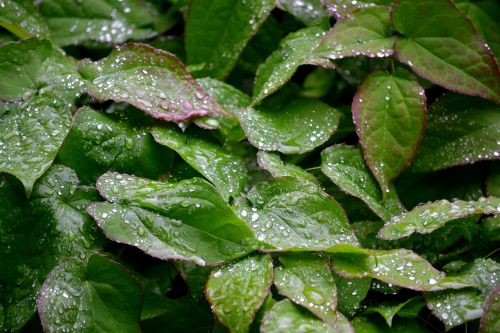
[(344, 8)]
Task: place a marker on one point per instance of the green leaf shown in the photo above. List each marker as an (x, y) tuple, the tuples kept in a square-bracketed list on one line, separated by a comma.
[(286, 317), (188, 220), (429, 217), (350, 293), (389, 113), (305, 11), (98, 296), (289, 215), (272, 163), (21, 18), (343, 9), (485, 15), (37, 235), (460, 130), (370, 324), (345, 166), (442, 46), (99, 142), (366, 31), (32, 133), (298, 127), (408, 308), (33, 66), (493, 180), (107, 21), (218, 30), (484, 274), (490, 321), (307, 281), (226, 170), (150, 79), (237, 290), (195, 277), (295, 50), (400, 267)]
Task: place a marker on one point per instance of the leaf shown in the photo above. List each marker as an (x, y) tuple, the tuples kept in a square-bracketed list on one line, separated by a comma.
[(493, 180), (37, 235), (215, 36), (305, 11), (100, 296), (21, 18), (195, 277), (366, 31), (350, 293), (366, 324), (391, 309), (429, 217), (187, 220), (151, 80), (485, 17), (389, 114), (32, 133), (342, 9), (296, 128), (295, 50), (289, 215), (237, 290), (460, 130), (344, 165), (490, 321), (484, 274), (307, 281), (442, 46), (286, 317), (272, 163), (224, 169), (99, 142), (106, 21), (400, 267), (33, 66)]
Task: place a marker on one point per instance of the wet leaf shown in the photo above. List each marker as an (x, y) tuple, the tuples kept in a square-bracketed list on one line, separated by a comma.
[(215, 36), (442, 46), (296, 128), (272, 163), (369, 324), (21, 18), (307, 281), (366, 31), (389, 113), (345, 167), (236, 290), (460, 130), (342, 9), (429, 217), (99, 142), (307, 11), (490, 321), (408, 308), (98, 296), (289, 215), (295, 50), (226, 170), (150, 79), (350, 293), (187, 220), (106, 21)]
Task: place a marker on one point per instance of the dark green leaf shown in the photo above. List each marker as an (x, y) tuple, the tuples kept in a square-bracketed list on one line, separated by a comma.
[(296, 128), (150, 79), (365, 324), (493, 180), (429, 217), (187, 220), (391, 309), (442, 46), (107, 21), (350, 293), (288, 214), (237, 290), (272, 163), (295, 50), (307, 281), (389, 113), (460, 130), (98, 296), (285, 317), (490, 321), (365, 32), (21, 18), (99, 142), (226, 170), (345, 166), (218, 30), (342, 9)]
